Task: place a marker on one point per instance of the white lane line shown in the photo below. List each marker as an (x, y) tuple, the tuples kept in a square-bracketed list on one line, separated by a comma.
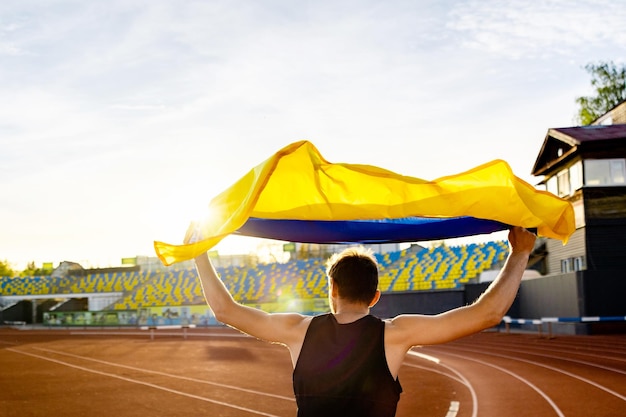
[(568, 350), (447, 375), (461, 377), (425, 356), (217, 384), (184, 394), (131, 333), (578, 377), (562, 358), (454, 408), (516, 376)]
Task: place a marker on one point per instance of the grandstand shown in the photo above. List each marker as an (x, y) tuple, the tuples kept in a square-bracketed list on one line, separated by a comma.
[(441, 267), (584, 278), (273, 286)]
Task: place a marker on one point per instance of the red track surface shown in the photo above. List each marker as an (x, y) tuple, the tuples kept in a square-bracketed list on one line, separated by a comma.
[(217, 373)]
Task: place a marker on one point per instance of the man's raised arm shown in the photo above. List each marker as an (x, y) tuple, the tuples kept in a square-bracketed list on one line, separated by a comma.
[(487, 311), (285, 328)]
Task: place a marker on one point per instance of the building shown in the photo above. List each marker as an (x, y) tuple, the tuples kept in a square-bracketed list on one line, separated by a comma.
[(615, 116), (587, 166)]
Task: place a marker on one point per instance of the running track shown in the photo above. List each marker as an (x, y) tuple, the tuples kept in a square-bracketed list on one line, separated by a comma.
[(221, 373)]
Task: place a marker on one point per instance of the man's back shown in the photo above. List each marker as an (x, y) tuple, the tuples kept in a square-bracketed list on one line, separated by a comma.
[(353, 282), (342, 370)]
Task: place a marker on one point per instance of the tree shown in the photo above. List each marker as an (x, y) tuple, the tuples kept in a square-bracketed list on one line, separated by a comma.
[(6, 270), (609, 83), (32, 271)]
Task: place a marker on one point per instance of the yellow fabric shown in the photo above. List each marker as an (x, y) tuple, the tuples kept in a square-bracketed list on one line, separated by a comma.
[(298, 183)]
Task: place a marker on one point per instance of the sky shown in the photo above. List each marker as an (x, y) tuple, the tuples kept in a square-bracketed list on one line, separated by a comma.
[(120, 120)]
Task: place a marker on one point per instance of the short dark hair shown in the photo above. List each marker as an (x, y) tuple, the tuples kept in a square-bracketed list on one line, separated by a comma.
[(355, 273)]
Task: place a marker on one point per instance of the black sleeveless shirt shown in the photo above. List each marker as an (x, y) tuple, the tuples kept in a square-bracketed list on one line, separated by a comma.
[(342, 370)]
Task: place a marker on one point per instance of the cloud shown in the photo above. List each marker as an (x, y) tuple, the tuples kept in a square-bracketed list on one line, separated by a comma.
[(8, 46), (148, 107), (531, 29), (150, 99)]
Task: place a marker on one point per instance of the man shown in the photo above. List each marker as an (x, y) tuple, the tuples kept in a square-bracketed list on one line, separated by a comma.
[(346, 362)]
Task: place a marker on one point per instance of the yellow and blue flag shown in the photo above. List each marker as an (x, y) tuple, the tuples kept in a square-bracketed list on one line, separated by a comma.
[(298, 196)]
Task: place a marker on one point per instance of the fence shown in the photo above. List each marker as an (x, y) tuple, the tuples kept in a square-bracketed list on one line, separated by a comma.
[(556, 320)]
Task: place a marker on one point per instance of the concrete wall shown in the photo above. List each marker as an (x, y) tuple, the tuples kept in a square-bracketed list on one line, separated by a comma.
[(551, 296), (577, 294), (422, 302)]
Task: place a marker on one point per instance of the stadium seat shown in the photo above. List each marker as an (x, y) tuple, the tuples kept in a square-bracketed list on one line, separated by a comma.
[(411, 269)]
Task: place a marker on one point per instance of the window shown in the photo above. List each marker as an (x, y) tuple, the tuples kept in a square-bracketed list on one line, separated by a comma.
[(562, 179), (576, 176), (566, 265), (567, 181), (600, 172), (576, 263), (579, 263), (552, 186), (617, 171)]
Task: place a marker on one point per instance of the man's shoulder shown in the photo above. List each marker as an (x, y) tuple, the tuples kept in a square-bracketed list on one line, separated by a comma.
[(398, 328)]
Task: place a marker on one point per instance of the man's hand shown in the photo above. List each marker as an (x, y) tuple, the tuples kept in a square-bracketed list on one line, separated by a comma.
[(521, 240)]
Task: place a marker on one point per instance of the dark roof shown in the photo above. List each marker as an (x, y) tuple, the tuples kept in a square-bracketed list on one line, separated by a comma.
[(561, 143), (580, 134)]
